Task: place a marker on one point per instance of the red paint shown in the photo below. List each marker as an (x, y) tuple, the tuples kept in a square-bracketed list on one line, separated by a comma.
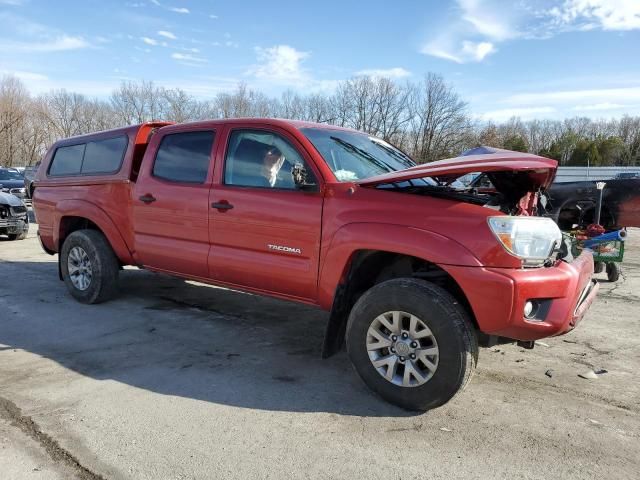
[(180, 233)]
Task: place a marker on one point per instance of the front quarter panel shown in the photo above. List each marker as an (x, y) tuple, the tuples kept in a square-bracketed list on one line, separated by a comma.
[(399, 239)]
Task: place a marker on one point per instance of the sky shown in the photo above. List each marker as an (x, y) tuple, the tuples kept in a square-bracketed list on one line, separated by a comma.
[(532, 59)]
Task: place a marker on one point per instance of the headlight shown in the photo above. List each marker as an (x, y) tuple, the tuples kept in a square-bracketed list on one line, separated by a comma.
[(532, 239)]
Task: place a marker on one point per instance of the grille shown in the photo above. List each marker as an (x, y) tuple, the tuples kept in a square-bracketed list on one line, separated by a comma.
[(19, 210)]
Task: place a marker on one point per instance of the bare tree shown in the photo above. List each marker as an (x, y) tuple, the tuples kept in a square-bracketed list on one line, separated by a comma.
[(138, 102), (14, 112), (179, 105), (439, 120)]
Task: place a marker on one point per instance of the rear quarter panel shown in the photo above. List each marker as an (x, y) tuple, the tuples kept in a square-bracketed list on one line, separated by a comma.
[(103, 199)]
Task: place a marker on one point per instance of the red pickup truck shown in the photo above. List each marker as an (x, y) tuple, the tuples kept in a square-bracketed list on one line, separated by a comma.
[(412, 268)]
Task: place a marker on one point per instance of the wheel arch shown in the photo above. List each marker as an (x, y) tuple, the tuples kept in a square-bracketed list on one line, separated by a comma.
[(365, 267), (72, 215)]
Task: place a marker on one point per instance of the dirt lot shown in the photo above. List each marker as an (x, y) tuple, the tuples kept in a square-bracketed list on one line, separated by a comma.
[(177, 380)]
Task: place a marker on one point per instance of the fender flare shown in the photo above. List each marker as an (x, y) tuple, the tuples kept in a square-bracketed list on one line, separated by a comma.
[(425, 244), (90, 211)]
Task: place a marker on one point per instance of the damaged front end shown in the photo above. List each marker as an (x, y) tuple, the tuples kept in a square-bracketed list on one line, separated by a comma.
[(516, 186), (14, 219)]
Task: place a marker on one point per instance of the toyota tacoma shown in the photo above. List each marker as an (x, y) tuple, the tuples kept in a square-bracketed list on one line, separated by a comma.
[(412, 270)]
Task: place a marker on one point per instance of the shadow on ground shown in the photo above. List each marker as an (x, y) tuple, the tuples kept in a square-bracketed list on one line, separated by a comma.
[(175, 337)]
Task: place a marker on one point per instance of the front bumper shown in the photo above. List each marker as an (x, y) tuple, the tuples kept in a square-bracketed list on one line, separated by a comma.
[(497, 297), (10, 226)]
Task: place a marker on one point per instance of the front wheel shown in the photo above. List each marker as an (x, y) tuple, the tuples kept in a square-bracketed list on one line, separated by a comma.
[(23, 234), (89, 267), (412, 343), (17, 236)]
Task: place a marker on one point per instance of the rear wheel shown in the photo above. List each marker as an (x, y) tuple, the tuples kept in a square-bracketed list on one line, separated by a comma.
[(412, 343), (89, 267)]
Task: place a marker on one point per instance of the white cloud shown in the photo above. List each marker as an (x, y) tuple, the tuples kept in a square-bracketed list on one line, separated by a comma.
[(481, 24), (56, 44), (602, 95), (13, 3), (477, 51), (564, 103), (28, 76), (467, 51), (179, 9), (524, 113), (606, 14), (396, 72), (188, 58), (281, 64), (599, 106), (471, 37), (166, 34), (491, 19), (149, 41), (214, 17)]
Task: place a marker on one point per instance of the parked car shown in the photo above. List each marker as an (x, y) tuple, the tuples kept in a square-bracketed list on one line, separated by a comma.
[(413, 272), (627, 175), (12, 181), (29, 177), (14, 221)]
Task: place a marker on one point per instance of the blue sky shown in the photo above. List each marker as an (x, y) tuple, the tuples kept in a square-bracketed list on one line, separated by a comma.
[(534, 59)]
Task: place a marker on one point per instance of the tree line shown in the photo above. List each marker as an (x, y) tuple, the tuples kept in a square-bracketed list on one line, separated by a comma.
[(427, 119)]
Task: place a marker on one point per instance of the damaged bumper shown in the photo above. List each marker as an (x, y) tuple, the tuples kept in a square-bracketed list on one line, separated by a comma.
[(560, 295), (10, 226)]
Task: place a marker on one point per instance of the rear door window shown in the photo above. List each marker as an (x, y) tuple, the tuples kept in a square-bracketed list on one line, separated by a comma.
[(99, 156), (184, 157), (67, 160), (104, 156)]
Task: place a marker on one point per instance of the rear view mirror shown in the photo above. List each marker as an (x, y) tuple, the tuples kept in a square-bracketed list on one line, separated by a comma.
[(301, 178)]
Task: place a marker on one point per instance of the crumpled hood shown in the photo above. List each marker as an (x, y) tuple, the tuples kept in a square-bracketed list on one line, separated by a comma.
[(539, 172), (11, 200)]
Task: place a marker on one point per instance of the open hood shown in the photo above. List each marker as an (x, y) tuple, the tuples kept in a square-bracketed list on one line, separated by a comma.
[(501, 165)]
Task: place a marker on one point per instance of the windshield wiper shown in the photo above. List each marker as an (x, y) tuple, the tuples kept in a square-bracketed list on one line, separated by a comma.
[(363, 153), (404, 159)]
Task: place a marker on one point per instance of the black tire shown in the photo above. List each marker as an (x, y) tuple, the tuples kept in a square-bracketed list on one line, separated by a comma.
[(17, 236), (20, 236), (104, 264), (613, 271), (598, 267), (448, 321)]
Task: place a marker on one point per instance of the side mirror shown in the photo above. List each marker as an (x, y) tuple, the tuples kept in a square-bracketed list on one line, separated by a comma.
[(301, 178)]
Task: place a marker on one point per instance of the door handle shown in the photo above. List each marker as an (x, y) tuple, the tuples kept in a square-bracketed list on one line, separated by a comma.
[(222, 205), (148, 198)]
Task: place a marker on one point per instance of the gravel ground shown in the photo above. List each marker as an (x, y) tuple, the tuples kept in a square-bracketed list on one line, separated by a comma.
[(178, 380)]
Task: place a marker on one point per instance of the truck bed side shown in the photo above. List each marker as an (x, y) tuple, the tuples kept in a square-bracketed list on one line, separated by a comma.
[(104, 200)]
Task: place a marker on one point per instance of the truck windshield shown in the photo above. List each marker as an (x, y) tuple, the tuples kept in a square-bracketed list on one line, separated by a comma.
[(354, 156)]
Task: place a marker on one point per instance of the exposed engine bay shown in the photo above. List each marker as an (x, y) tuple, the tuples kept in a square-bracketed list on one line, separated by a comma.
[(512, 192)]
